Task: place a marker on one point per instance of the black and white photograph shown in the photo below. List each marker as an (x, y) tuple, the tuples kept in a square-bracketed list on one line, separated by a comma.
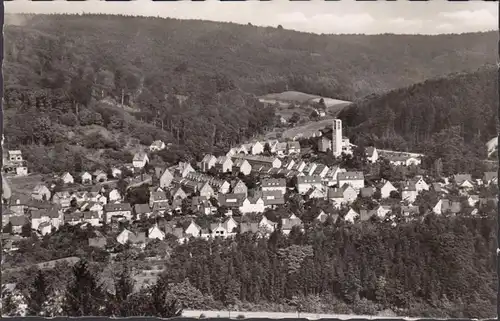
[(250, 159)]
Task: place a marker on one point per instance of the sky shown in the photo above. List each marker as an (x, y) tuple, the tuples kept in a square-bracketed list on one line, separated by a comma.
[(318, 16)]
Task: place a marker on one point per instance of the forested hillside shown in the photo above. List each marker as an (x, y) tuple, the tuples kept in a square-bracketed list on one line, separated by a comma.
[(97, 86), (450, 118)]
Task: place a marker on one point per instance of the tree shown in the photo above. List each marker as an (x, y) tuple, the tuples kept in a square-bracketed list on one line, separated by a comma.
[(38, 294), (84, 295), (160, 305), (124, 287), (7, 228), (26, 230)]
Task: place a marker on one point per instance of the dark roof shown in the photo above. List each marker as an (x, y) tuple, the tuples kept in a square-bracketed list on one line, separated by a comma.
[(18, 220), (488, 176), (350, 176), (231, 200), (308, 179), (273, 182), (117, 207), (460, 178), (273, 198)]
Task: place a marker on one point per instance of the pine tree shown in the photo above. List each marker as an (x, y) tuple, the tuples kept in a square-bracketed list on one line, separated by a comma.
[(124, 287), (38, 294), (84, 295)]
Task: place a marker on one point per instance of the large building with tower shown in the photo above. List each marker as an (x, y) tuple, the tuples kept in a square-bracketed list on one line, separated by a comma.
[(333, 141)]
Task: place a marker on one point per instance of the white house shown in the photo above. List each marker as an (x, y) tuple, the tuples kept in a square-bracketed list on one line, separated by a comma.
[(193, 230), (243, 166), (45, 228), (124, 236), (116, 172), (305, 183), (267, 225), (114, 196), (386, 189), (208, 162), (157, 145), (371, 154), (351, 215), (409, 193), (252, 205), (166, 179), (420, 184), (309, 169), (155, 233), (257, 148), (206, 190), (224, 164), (274, 184), (41, 192), (355, 179), (119, 209), (86, 178), (67, 178), (93, 218), (140, 160)]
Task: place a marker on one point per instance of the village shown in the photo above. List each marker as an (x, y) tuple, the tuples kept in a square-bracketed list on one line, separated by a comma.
[(215, 188)]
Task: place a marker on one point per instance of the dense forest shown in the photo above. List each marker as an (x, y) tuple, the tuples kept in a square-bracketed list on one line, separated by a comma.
[(94, 88), (450, 117), (437, 266)]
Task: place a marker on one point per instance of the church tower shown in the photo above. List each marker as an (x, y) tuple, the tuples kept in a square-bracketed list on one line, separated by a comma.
[(337, 137)]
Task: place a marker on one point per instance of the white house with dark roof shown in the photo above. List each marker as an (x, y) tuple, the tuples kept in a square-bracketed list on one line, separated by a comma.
[(354, 179), (351, 215), (252, 204), (273, 184), (86, 178), (273, 198), (490, 178), (119, 209), (309, 169), (154, 232), (41, 193), (243, 166), (420, 184), (409, 192), (208, 162), (293, 147), (224, 164), (259, 160), (140, 160), (166, 178), (305, 183), (239, 187), (371, 154), (114, 196), (157, 146)]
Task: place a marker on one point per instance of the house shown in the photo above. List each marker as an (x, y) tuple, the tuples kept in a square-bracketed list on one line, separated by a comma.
[(331, 176), (203, 205), (252, 205), (289, 166), (420, 184), (300, 166), (309, 169), (355, 179), (179, 194), (255, 148), (45, 228), (231, 200), (114, 196), (224, 164), (155, 233), (193, 229), (67, 178), (273, 184), (100, 176), (155, 197), (17, 222), (287, 224), (446, 206), (473, 200), (490, 178), (460, 179), (267, 225), (387, 188), (321, 171), (351, 215), (381, 211), (242, 166), (140, 160), (293, 147), (183, 169), (127, 236), (92, 217), (305, 183), (118, 209), (86, 178), (156, 146), (161, 208), (116, 172), (73, 218), (208, 162), (224, 230), (321, 216), (239, 187), (41, 193), (257, 160), (166, 179), (63, 199), (142, 210), (402, 160), (371, 154), (317, 192), (409, 192), (15, 156), (273, 198), (93, 207), (343, 195)]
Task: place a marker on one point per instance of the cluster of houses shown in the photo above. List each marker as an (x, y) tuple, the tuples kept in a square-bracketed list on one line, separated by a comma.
[(181, 190), (14, 163)]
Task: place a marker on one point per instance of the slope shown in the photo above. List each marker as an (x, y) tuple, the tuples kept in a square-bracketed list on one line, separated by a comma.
[(460, 110), (259, 60)]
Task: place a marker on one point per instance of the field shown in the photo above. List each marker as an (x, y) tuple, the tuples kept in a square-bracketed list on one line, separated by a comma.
[(305, 130), (24, 184), (300, 98)]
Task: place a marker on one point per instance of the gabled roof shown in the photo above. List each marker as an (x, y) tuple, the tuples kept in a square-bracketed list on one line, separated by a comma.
[(488, 176), (273, 182), (157, 143), (158, 196), (308, 179), (350, 176), (293, 145), (18, 220), (369, 151), (139, 157), (273, 198), (231, 200), (460, 178), (119, 207)]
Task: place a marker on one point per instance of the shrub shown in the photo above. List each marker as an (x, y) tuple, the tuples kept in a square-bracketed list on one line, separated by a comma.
[(202, 316), (240, 316)]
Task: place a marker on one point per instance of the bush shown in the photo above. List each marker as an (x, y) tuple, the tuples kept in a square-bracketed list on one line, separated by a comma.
[(68, 119), (202, 316), (240, 316)]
